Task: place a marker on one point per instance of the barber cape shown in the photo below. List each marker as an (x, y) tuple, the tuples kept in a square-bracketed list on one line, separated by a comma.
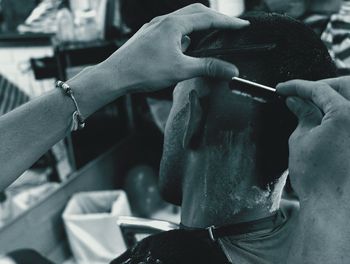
[(262, 241)]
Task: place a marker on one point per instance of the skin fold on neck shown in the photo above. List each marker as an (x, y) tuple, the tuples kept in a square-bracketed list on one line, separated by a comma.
[(220, 185)]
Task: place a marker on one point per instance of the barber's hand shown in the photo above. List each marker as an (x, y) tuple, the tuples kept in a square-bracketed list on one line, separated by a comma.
[(319, 161), (153, 58)]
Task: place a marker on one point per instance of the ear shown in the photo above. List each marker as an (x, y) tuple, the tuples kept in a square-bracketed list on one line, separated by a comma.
[(194, 117)]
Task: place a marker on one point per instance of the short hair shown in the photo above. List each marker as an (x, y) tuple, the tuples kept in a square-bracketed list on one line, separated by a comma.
[(293, 50), (273, 49)]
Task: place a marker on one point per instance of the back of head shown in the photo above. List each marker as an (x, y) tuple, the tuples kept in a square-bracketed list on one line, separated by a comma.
[(273, 49), (292, 51)]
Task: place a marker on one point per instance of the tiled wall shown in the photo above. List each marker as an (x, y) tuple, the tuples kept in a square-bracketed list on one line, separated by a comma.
[(15, 66)]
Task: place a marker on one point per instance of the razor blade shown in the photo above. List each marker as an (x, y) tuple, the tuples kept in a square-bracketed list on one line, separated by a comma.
[(257, 91), (257, 85)]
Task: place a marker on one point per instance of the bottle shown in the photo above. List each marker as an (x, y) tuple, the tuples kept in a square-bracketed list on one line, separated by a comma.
[(86, 26), (65, 25)]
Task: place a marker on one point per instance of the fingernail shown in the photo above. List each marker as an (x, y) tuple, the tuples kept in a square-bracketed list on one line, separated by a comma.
[(279, 85), (245, 22), (235, 72)]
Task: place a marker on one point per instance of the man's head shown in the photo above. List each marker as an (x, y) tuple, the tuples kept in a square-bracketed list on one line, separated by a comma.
[(293, 8), (239, 141)]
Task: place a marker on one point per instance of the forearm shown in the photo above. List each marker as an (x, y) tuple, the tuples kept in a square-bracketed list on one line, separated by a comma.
[(151, 60), (322, 235), (30, 130)]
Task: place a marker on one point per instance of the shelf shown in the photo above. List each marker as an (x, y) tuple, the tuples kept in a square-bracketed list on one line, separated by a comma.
[(24, 40)]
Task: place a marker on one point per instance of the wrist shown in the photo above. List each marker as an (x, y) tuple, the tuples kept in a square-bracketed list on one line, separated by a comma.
[(112, 79), (93, 88), (122, 71)]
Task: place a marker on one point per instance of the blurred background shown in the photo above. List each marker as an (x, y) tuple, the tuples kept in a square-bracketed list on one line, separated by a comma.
[(120, 149)]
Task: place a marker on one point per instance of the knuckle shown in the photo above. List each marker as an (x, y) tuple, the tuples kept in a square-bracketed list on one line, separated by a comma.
[(198, 6), (345, 80), (156, 19), (168, 21), (294, 138), (306, 113), (343, 87), (87, 69), (210, 66), (343, 90), (323, 85), (211, 18), (178, 70), (318, 91), (296, 84), (342, 114), (313, 95), (145, 25), (291, 139)]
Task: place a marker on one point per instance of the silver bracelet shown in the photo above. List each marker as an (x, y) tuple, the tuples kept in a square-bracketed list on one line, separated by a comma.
[(77, 119)]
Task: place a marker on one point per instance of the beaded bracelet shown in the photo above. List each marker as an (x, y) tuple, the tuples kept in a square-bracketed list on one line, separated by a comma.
[(77, 119)]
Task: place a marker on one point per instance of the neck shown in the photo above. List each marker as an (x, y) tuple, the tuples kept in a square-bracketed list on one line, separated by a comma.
[(224, 190)]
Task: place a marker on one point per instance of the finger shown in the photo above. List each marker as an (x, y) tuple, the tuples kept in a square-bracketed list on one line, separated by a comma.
[(191, 9), (210, 67), (144, 27), (321, 94), (185, 43), (309, 116), (188, 10), (208, 20), (341, 85)]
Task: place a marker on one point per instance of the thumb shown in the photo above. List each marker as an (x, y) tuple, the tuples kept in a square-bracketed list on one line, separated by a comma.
[(308, 115), (211, 68)]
